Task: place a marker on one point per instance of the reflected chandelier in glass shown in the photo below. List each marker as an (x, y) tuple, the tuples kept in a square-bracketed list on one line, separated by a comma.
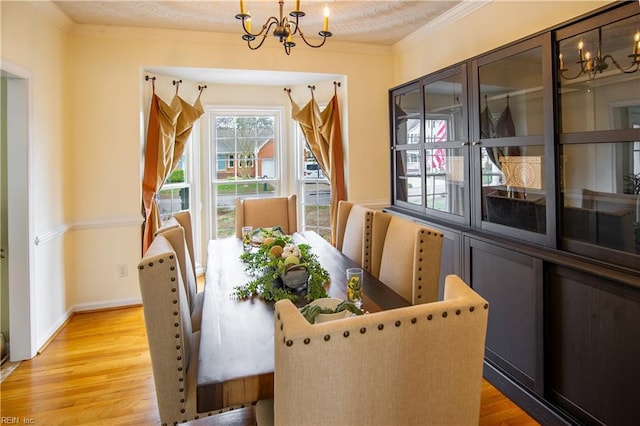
[(617, 39)]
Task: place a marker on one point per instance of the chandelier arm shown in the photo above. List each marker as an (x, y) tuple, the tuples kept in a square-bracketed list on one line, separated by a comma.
[(296, 24), (324, 35), (267, 25), (580, 72), (629, 70), (264, 37)]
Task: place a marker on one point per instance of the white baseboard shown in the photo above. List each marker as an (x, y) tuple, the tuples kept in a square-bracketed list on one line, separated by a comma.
[(53, 330), (122, 303)]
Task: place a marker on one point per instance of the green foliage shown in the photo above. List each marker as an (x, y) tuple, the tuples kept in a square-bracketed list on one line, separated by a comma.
[(267, 267), (310, 312), (176, 177)]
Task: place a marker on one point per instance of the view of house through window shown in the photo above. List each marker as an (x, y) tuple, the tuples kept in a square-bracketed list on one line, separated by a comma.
[(245, 150)]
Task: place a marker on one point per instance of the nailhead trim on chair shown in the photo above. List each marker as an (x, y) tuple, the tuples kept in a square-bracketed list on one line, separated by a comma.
[(418, 272), (363, 330), (367, 242), (178, 346)]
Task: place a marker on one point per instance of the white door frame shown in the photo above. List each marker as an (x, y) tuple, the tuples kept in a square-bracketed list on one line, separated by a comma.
[(21, 248)]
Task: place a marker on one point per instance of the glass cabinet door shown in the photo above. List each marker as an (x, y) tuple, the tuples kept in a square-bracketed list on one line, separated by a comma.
[(446, 144), (598, 67), (407, 148), (512, 89)]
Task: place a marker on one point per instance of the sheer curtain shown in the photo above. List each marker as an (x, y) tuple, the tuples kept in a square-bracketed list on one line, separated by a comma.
[(323, 132)]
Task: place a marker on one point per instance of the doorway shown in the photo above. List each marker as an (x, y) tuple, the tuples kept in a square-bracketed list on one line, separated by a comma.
[(16, 238)]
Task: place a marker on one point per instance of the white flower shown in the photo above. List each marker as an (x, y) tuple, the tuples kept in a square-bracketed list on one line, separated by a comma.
[(290, 250)]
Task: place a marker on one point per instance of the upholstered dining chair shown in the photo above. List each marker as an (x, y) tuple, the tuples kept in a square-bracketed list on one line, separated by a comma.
[(173, 231), (419, 365), (184, 219), (173, 344), (353, 232), (267, 213), (406, 256)]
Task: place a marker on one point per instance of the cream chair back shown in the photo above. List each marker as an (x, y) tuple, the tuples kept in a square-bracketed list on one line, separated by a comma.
[(353, 232), (419, 365), (406, 256), (184, 219), (173, 345), (267, 213), (176, 235)]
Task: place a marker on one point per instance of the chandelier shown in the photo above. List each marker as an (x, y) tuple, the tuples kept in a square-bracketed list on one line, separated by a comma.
[(590, 65), (285, 27)]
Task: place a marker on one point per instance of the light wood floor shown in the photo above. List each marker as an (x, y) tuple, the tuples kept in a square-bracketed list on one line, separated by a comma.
[(97, 371)]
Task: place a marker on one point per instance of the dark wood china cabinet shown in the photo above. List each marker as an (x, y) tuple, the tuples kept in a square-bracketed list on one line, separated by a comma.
[(527, 158)]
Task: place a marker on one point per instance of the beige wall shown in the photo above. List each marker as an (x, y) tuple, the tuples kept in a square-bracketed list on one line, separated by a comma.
[(497, 23)]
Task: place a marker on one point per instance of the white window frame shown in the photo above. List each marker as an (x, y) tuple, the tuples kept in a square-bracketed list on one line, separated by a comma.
[(280, 153)]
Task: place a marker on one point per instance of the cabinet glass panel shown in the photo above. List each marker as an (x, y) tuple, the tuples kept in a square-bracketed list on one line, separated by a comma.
[(511, 102), (513, 187), (407, 117), (445, 187), (600, 185), (443, 110), (595, 93), (408, 176)]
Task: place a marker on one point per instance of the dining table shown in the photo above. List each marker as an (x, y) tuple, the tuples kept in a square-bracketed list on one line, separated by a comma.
[(236, 354)]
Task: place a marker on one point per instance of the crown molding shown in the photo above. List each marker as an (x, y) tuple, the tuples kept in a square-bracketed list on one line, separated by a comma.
[(465, 8), (55, 15)]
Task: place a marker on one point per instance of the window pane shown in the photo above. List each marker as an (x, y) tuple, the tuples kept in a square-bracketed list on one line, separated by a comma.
[(408, 176), (173, 200), (443, 110), (513, 187), (245, 161), (317, 207), (445, 180), (511, 98), (407, 118), (600, 191), (241, 140), (599, 100)]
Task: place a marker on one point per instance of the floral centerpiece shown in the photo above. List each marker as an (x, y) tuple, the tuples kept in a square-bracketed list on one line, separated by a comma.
[(283, 270)]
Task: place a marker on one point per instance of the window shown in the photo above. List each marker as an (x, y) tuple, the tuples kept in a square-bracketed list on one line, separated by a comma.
[(245, 148), (174, 196), (315, 202)]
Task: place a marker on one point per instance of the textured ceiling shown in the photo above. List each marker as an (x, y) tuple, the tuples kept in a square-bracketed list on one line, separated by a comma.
[(376, 22)]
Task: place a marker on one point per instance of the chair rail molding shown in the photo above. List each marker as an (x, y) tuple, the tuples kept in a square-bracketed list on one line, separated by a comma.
[(82, 224)]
